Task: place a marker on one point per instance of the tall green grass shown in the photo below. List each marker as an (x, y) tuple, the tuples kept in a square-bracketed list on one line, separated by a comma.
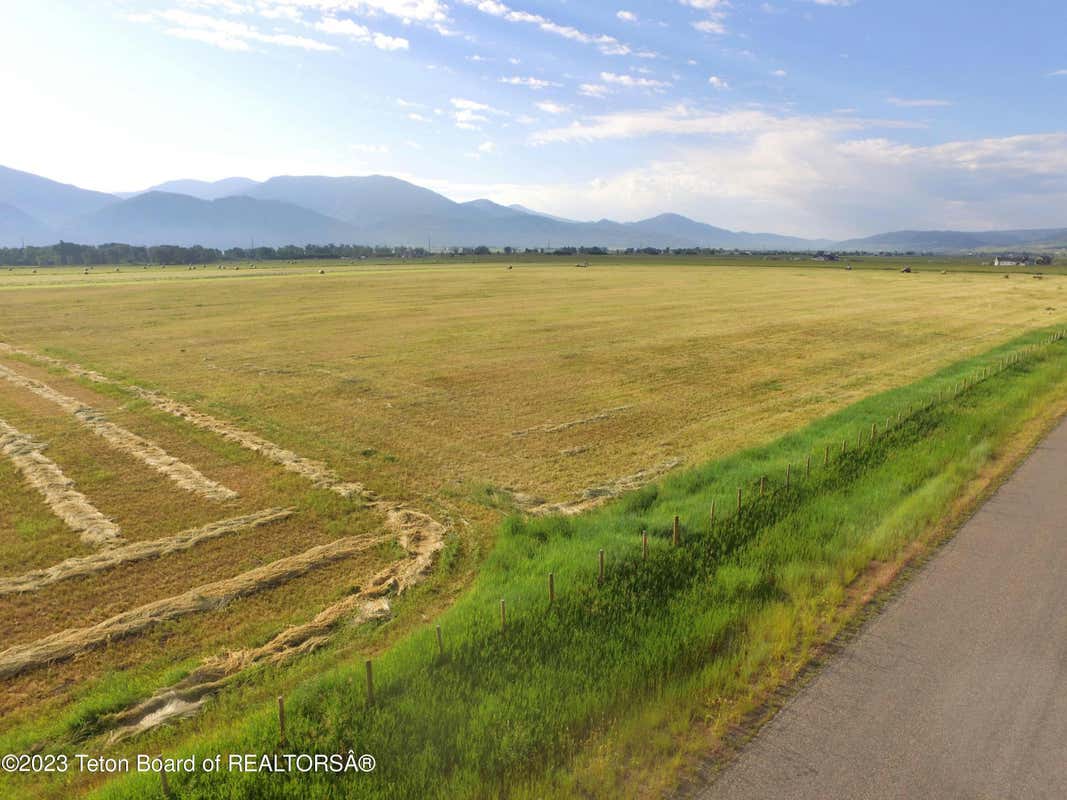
[(501, 708)]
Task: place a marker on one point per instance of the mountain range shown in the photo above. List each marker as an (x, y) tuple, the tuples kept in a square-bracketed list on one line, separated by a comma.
[(381, 210)]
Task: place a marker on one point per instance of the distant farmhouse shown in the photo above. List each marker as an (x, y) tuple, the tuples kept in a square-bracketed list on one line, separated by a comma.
[(1015, 260)]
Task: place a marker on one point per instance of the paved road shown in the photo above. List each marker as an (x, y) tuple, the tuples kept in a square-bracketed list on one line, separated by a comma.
[(957, 690)]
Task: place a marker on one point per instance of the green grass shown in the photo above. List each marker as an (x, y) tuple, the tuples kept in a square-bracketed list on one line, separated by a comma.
[(500, 710)]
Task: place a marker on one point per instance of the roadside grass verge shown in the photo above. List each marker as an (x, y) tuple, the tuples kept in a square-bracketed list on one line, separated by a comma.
[(500, 708)]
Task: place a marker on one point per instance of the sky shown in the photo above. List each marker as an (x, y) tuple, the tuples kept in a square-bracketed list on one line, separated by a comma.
[(830, 118)]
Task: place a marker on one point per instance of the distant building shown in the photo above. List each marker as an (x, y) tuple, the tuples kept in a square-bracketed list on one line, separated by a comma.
[(1007, 262)]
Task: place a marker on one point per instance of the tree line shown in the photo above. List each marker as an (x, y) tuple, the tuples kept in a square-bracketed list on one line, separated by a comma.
[(71, 254)]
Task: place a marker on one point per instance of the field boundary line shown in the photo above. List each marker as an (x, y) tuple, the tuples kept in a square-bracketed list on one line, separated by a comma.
[(125, 441), (58, 490), (81, 566)]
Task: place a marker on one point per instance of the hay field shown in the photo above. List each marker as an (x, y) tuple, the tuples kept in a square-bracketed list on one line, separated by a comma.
[(452, 391)]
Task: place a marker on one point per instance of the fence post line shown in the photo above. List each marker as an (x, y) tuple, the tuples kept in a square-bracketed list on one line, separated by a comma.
[(788, 469), (551, 588), (826, 456), (675, 534), (738, 499), (711, 520), (600, 576), (762, 484), (644, 545), (370, 682)]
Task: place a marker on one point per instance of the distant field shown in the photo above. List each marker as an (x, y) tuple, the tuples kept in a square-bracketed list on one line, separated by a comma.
[(460, 391)]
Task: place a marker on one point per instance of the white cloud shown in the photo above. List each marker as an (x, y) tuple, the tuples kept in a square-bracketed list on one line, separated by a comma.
[(486, 147), (917, 103), (718, 82), (225, 33), (425, 11), (353, 30), (415, 117), (630, 82), (342, 27), (470, 115), (779, 73), (1058, 73), (608, 45), (626, 16), (468, 105), (533, 83), (378, 149), (553, 108), (217, 38), (710, 26), (802, 176), (593, 90), (383, 42), (678, 120)]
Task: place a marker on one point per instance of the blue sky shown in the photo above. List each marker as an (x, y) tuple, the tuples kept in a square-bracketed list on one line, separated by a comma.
[(813, 117)]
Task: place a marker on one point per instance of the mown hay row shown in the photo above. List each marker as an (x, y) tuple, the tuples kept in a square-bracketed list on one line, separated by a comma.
[(188, 696), (596, 495), (137, 551), (315, 471), (184, 475), (562, 426), (419, 534), (212, 596), (58, 490), (76, 369)]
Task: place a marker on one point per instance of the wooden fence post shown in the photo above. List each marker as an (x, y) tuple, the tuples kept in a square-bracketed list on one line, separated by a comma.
[(551, 588), (503, 616), (807, 467), (674, 534), (788, 469), (600, 576), (762, 484), (644, 545), (738, 499)]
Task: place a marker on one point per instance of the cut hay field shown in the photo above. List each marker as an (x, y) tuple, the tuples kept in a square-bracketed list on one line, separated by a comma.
[(376, 417)]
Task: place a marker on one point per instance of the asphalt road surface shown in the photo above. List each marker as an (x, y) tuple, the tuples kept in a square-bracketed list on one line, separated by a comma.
[(958, 689)]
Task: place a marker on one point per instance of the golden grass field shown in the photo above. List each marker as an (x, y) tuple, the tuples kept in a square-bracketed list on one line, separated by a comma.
[(437, 386)]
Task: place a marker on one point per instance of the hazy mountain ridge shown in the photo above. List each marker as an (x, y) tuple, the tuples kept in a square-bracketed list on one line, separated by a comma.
[(382, 210)]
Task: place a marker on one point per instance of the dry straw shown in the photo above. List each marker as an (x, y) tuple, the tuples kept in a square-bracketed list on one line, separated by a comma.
[(58, 490), (184, 475)]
